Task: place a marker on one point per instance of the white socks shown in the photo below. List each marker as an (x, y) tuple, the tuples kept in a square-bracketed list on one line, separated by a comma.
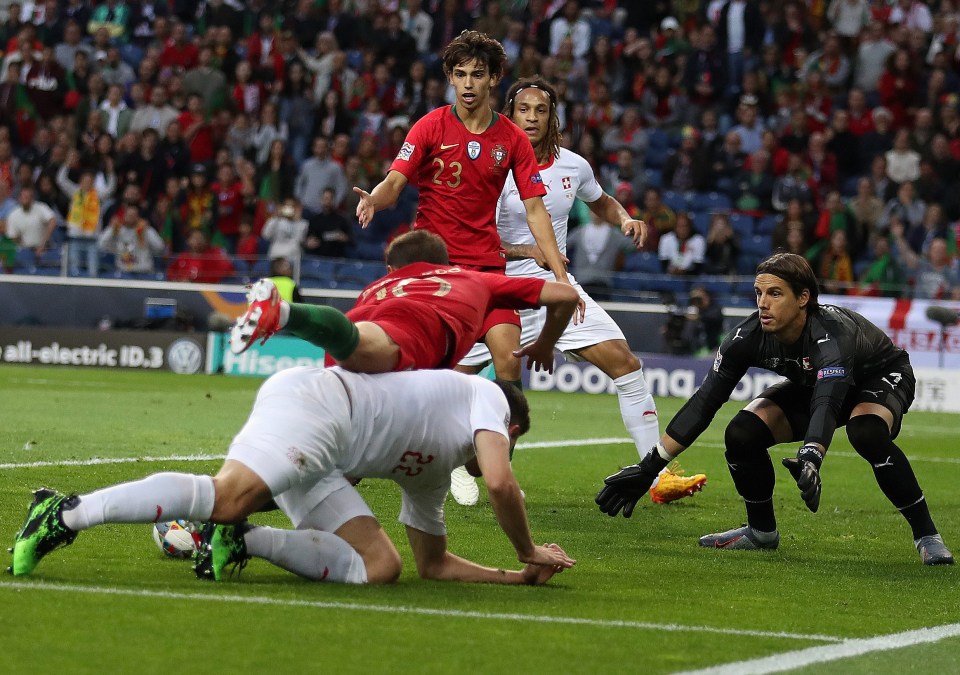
[(314, 554), (638, 410), (284, 314), (160, 497)]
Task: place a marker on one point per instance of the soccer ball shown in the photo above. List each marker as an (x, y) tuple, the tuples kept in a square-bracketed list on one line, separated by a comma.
[(177, 538)]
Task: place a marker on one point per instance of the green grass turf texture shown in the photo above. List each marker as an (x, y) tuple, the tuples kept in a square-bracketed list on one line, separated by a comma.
[(849, 571)]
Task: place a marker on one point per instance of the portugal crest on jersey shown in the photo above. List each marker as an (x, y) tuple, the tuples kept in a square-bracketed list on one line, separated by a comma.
[(499, 154), (473, 149)]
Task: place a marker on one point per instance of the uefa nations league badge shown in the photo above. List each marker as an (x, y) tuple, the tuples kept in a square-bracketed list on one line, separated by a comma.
[(473, 149)]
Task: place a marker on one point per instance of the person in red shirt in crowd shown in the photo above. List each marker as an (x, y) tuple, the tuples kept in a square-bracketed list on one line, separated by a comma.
[(248, 243), (180, 54), (898, 87), (230, 192), (197, 130), (201, 263), (458, 157), (247, 94), (861, 117), (424, 314)]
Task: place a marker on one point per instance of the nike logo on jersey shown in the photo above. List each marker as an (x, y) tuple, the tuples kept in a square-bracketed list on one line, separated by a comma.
[(444, 146), (825, 338)]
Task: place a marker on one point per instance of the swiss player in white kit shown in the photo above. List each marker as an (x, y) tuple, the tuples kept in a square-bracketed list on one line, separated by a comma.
[(531, 104), (309, 428)]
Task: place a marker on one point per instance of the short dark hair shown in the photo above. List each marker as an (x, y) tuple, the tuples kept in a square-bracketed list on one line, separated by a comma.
[(473, 45), (796, 271), (416, 246), (519, 408)]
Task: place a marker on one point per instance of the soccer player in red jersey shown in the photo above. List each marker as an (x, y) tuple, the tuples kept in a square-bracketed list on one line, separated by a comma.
[(458, 157), (423, 314)]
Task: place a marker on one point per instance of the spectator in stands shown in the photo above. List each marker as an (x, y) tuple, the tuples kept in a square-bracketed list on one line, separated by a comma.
[(230, 192), (898, 86), (112, 15), (681, 251), (845, 147), (866, 209), (663, 104), (795, 184), (706, 319), (596, 252), (328, 233), (624, 171), (883, 276), (686, 168), (727, 164), (834, 265), (31, 224), (753, 185), (157, 115), (84, 217), (627, 134), (206, 80), (740, 31), (936, 273), (286, 232), (723, 248), (750, 128), (831, 63), (794, 217), (905, 206), (201, 262), (317, 173), (822, 163), (849, 18), (903, 162), (569, 23), (705, 73), (655, 213), (132, 241), (872, 55)]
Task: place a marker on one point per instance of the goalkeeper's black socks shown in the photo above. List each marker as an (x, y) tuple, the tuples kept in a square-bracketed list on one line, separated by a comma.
[(747, 439)]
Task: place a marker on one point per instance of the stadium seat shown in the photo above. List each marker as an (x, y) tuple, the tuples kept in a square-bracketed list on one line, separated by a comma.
[(766, 224), (665, 283), (747, 265), (642, 261), (716, 285), (261, 268), (652, 177), (358, 273), (742, 224), (709, 201), (25, 258), (675, 200), (322, 269), (701, 222), (758, 245)]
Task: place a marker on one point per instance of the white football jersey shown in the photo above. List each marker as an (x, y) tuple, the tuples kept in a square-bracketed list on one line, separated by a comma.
[(567, 177)]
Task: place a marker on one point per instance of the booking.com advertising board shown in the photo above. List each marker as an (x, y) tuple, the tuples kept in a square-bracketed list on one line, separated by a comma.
[(677, 376)]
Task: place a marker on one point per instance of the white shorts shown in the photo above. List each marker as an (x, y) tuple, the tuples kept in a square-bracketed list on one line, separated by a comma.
[(597, 327), (326, 506), (299, 425)]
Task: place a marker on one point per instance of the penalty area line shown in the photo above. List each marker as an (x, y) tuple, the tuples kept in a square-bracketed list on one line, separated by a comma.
[(800, 658), (406, 609)]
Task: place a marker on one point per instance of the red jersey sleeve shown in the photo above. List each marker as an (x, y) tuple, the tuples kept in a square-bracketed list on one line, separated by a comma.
[(512, 292), (525, 170), (417, 146)]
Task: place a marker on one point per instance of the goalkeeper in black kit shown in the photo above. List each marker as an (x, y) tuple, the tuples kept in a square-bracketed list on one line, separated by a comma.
[(840, 369)]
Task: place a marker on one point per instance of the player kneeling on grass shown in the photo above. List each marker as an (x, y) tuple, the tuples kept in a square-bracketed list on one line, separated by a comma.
[(308, 428), (840, 369)]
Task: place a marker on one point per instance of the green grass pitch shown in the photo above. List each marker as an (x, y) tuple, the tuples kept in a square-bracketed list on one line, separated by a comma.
[(642, 598)]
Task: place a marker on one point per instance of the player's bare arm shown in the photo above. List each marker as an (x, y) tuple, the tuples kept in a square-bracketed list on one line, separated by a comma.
[(493, 457), (612, 211), (531, 251), (561, 300), (435, 562), (383, 196)]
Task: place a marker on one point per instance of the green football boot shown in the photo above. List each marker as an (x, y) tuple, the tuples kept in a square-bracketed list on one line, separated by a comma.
[(43, 530)]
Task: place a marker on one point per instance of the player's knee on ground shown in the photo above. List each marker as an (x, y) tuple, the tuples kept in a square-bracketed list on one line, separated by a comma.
[(383, 565), (869, 436)]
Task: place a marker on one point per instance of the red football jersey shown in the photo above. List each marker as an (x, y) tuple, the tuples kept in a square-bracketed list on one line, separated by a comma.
[(460, 176), (461, 299)]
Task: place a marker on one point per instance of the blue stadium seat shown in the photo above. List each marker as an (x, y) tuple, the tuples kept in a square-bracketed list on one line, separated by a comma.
[(25, 258), (261, 268), (359, 273), (652, 177), (760, 245), (860, 266), (657, 139), (642, 261), (766, 224), (701, 222), (318, 269), (675, 200), (747, 264), (742, 224), (665, 283), (709, 201), (716, 285)]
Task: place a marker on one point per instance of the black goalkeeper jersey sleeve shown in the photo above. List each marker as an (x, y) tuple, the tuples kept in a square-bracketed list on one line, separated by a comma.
[(836, 349)]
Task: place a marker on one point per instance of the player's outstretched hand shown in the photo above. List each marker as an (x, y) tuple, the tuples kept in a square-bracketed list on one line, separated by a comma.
[(537, 575), (622, 490), (539, 357), (550, 555), (636, 230), (365, 208), (580, 312), (808, 480)]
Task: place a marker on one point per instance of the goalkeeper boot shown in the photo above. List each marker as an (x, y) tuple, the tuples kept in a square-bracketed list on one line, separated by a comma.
[(672, 485), (742, 538), (260, 321), (220, 546), (933, 551), (464, 487), (42, 531)]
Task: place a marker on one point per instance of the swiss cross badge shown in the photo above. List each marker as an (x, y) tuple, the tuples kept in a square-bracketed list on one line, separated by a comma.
[(499, 153), (566, 182)]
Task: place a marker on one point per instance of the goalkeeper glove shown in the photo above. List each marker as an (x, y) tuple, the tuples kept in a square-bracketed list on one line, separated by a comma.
[(805, 469), (622, 490)]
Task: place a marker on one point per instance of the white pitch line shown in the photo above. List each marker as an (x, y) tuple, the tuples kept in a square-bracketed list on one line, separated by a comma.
[(96, 461), (402, 609), (824, 653)]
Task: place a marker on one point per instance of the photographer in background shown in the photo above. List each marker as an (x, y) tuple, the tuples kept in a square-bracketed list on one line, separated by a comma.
[(694, 329)]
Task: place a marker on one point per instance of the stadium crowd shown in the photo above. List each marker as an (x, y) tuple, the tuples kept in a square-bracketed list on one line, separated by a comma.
[(197, 140)]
